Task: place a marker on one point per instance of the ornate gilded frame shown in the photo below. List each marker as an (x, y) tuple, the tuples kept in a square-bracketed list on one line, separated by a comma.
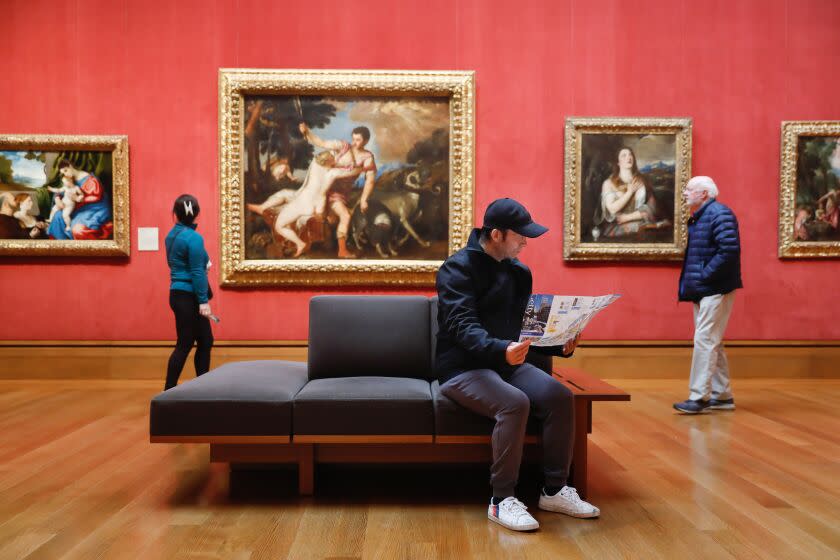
[(788, 247), (573, 248), (459, 87), (120, 245)]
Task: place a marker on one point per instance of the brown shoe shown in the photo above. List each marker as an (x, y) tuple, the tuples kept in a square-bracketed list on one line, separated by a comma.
[(343, 252)]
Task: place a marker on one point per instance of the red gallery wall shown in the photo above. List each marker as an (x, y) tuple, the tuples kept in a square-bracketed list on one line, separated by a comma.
[(148, 69)]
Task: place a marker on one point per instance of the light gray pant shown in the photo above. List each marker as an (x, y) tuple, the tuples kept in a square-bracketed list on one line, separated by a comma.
[(529, 389), (709, 367)]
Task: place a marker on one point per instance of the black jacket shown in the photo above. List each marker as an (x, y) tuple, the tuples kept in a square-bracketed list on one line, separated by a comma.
[(481, 302), (712, 262)]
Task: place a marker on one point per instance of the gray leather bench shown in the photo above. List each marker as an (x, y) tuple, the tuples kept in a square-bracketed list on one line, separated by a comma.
[(366, 394)]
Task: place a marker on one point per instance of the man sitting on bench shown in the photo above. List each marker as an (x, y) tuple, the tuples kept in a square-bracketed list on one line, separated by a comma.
[(482, 294)]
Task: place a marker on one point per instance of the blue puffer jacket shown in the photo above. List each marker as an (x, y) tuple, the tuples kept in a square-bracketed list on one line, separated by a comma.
[(712, 263)]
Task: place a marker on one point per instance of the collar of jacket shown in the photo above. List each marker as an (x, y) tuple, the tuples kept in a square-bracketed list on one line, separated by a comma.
[(190, 226), (474, 245), (696, 216)]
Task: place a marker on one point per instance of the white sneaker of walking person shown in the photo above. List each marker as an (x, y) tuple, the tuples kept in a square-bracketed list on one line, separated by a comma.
[(513, 514), (567, 501)]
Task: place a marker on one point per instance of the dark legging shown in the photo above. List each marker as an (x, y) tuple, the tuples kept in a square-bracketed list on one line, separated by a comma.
[(192, 329)]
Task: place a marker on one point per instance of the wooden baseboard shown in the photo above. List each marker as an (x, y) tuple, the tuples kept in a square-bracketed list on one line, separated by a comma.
[(260, 440), (747, 360), (49, 359)]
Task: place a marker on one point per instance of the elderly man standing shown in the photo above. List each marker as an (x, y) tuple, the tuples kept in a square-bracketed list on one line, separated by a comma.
[(710, 275)]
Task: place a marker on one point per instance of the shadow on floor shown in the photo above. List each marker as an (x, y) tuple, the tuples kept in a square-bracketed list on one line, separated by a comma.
[(380, 484)]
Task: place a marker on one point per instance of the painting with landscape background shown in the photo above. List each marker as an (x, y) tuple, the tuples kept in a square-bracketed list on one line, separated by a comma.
[(334, 177), (57, 195), (809, 203), (309, 161), (623, 186)]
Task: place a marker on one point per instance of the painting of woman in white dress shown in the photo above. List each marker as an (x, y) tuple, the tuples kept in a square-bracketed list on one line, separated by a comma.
[(628, 189), (623, 179)]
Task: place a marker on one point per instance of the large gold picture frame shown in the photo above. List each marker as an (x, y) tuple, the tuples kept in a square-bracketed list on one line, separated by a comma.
[(809, 192), (103, 175), (240, 89), (657, 153)]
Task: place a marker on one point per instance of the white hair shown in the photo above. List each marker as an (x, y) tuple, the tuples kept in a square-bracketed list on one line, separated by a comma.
[(703, 183)]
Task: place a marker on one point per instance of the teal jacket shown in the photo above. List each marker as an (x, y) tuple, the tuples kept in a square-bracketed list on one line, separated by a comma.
[(187, 259)]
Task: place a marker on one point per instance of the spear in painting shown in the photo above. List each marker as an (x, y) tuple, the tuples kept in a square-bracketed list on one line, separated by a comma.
[(298, 107)]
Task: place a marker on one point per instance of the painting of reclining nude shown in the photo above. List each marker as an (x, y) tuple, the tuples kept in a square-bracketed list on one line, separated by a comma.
[(625, 190), (347, 178), (56, 198), (343, 177), (810, 192)]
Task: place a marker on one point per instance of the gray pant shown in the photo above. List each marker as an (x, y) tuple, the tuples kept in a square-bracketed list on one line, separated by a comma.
[(529, 389), (709, 366)]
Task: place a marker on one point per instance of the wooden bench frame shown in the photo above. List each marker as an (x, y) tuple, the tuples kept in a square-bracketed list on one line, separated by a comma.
[(307, 451)]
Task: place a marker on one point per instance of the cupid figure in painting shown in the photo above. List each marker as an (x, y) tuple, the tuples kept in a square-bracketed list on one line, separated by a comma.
[(330, 178)]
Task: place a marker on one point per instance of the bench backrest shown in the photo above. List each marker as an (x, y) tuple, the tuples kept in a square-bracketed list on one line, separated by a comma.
[(388, 336)]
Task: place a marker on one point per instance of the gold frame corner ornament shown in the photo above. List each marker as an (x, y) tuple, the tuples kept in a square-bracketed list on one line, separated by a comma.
[(790, 134), (120, 245), (234, 84), (575, 127)]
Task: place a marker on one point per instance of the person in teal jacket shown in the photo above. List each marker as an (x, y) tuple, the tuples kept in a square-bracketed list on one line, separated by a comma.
[(189, 292)]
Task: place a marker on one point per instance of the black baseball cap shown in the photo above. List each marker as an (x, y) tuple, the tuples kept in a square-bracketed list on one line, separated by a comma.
[(506, 213)]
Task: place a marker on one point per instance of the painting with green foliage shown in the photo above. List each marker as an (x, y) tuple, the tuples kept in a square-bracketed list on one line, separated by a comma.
[(328, 177), (817, 190)]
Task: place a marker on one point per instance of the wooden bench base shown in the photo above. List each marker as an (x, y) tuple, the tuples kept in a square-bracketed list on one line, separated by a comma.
[(309, 450), (308, 455), (339, 449)]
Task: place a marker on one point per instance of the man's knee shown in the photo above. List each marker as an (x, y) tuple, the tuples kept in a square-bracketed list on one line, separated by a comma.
[(555, 396), (517, 404), (703, 340)]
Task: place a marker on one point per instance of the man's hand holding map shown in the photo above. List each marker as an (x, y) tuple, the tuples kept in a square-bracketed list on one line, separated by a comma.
[(555, 320)]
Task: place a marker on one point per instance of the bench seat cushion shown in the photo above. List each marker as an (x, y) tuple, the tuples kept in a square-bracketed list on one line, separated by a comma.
[(241, 398), (364, 406)]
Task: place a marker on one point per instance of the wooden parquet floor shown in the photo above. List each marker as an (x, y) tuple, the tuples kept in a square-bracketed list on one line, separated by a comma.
[(79, 479)]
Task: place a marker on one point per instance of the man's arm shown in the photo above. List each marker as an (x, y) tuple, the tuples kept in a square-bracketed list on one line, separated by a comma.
[(370, 176), (198, 270), (727, 239), (456, 298), (313, 139)]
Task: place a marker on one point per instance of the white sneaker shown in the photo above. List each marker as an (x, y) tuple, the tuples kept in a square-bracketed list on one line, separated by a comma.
[(513, 514), (567, 501)]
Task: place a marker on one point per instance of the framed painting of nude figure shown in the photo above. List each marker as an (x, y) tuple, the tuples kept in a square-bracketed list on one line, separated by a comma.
[(337, 177), (624, 182), (64, 195), (809, 195)]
